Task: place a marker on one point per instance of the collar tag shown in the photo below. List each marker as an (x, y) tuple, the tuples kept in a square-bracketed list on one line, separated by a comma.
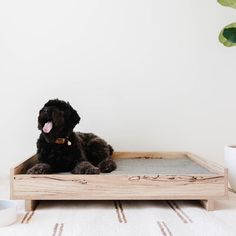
[(63, 141)]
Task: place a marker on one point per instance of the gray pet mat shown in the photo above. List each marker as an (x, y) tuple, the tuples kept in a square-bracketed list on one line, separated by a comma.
[(173, 166)]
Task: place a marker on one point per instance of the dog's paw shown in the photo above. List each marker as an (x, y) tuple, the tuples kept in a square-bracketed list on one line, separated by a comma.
[(85, 168), (86, 171), (92, 171), (107, 166), (39, 169)]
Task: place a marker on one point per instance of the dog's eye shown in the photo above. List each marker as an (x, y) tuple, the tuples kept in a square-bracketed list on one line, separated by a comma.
[(45, 110)]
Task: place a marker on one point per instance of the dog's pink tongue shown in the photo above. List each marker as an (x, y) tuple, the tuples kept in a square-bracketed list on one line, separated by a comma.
[(47, 127)]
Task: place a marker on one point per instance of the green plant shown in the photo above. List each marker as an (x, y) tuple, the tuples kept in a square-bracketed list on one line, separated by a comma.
[(228, 33)]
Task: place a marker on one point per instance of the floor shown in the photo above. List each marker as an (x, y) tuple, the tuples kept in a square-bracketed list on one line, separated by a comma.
[(108, 218)]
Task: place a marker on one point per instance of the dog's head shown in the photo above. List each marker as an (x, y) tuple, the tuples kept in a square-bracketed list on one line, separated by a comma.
[(57, 119)]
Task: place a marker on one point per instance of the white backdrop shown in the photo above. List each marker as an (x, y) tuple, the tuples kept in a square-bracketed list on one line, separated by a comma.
[(145, 75)]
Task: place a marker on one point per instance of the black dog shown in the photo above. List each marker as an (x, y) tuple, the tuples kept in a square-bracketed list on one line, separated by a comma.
[(59, 149)]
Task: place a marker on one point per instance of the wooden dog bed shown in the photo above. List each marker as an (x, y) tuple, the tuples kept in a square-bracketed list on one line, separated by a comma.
[(139, 176)]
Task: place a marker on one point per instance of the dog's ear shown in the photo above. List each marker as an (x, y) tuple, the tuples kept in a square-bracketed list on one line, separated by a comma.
[(72, 117)]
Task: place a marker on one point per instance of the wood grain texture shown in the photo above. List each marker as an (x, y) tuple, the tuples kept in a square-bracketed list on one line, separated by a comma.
[(208, 204), (30, 205), (25, 165), (122, 186), (148, 155), (117, 187), (226, 177)]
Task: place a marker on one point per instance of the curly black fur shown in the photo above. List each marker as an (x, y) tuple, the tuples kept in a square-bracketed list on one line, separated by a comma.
[(81, 153)]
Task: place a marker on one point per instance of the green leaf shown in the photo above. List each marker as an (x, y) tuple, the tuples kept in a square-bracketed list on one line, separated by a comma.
[(228, 35), (227, 3)]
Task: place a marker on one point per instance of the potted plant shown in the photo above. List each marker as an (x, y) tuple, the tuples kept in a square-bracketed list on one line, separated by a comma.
[(228, 34)]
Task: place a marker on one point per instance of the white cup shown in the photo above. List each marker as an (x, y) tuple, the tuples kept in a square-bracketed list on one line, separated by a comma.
[(230, 162), (8, 212)]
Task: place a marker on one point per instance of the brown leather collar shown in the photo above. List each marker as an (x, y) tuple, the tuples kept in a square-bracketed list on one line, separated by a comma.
[(63, 141)]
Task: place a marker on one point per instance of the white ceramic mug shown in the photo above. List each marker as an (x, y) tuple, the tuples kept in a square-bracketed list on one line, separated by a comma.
[(230, 162), (8, 212)]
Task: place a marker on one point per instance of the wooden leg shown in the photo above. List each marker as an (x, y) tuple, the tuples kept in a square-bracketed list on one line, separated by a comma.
[(30, 205), (208, 204)]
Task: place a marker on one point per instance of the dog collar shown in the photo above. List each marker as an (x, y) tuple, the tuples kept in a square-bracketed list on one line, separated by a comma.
[(63, 141)]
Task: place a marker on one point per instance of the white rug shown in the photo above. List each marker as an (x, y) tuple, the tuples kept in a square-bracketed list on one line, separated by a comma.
[(123, 218)]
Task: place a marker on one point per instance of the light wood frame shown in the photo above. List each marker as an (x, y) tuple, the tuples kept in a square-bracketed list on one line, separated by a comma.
[(204, 187)]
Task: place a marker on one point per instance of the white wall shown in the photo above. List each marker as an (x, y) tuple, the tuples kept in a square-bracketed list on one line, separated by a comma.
[(145, 75)]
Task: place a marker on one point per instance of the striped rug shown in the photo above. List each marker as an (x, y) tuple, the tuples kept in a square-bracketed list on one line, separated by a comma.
[(123, 218)]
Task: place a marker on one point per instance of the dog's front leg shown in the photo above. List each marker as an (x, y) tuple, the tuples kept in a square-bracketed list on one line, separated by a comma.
[(85, 167)]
